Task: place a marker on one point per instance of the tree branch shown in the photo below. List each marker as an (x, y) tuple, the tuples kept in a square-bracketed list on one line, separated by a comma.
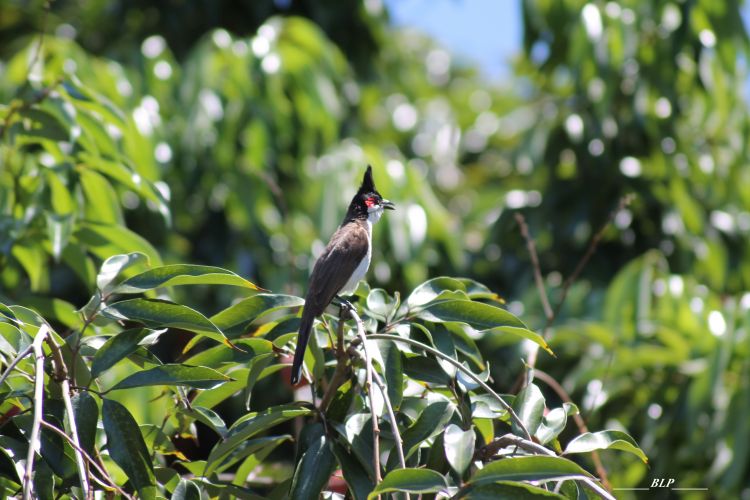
[(34, 443), (368, 387), (61, 374)]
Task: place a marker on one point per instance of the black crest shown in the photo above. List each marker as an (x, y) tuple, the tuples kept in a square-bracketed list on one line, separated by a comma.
[(368, 185)]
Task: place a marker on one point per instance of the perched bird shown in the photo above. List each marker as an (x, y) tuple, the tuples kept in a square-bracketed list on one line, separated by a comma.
[(343, 263)]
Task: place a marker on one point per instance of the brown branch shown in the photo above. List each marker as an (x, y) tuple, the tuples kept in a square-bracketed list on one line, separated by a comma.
[(580, 423), (339, 376), (548, 313), (34, 442), (61, 375), (593, 244), (368, 386)]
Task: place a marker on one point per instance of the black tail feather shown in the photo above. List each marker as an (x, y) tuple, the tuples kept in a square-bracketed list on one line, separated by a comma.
[(299, 353)]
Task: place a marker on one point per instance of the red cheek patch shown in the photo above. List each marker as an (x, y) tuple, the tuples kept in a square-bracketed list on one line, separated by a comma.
[(370, 202)]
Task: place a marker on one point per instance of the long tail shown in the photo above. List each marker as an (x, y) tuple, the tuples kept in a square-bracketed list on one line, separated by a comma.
[(299, 353)]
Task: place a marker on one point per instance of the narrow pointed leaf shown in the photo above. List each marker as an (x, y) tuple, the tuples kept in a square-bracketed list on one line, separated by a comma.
[(250, 425), (236, 318), (429, 423), (476, 314), (160, 314), (199, 377), (605, 440), (86, 414), (118, 347), (113, 266), (126, 447), (182, 274), (314, 468), (530, 468)]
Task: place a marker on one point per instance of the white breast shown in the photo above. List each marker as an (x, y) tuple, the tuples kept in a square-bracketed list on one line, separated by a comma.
[(361, 269)]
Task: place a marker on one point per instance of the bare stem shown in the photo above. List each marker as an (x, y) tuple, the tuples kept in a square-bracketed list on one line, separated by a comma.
[(368, 382), (34, 443), (461, 367), (392, 418), (61, 372), (548, 313)]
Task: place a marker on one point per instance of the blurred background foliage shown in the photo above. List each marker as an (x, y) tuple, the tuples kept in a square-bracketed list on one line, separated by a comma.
[(233, 133)]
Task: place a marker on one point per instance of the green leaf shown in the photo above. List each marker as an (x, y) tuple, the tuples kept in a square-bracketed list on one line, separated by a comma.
[(605, 440), (127, 448), (554, 422), (410, 481), (259, 446), (429, 423), (256, 366), (113, 266), (359, 483), (59, 229), (119, 346), (199, 377), (235, 319), (394, 372), (314, 467), (248, 426), (475, 314), (86, 414), (160, 314), (187, 490), (529, 406), (102, 204), (505, 489), (527, 468), (105, 240), (218, 356), (425, 369), (181, 274), (207, 417), (431, 290), (459, 447)]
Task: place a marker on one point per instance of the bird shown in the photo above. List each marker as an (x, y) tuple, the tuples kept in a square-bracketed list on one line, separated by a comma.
[(343, 263)]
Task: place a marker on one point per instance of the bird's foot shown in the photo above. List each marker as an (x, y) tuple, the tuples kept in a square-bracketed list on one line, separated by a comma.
[(345, 307)]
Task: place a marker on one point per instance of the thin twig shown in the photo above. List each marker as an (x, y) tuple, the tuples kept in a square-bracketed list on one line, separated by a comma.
[(368, 387), (61, 374), (490, 450), (624, 202), (461, 367), (580, 423), (392, 417), (13, 364), (34, 443), (110, 482), (548, 313)]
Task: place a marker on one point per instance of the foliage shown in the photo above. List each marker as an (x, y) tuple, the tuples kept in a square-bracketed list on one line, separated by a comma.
[(233, 140), (440, 413)]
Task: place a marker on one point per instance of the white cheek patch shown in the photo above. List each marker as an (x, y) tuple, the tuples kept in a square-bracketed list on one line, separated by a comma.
[(374, 212)]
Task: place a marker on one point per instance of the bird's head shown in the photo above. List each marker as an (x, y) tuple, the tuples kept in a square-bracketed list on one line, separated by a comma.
[(368, 202)]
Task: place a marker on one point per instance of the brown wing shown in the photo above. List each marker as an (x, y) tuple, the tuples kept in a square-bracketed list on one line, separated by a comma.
[(347, 248)]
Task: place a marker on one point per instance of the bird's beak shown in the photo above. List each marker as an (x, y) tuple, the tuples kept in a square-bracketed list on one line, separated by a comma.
[(388, 205)]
